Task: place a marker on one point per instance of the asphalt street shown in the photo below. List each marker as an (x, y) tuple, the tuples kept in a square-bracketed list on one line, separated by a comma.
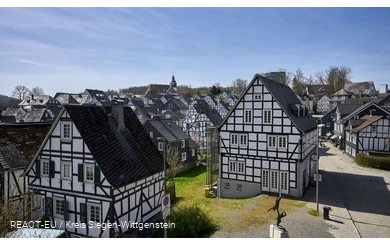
[(359, 196)]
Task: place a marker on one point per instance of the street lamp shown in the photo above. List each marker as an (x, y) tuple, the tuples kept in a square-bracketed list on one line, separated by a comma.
[(319, 126), (165, 179)]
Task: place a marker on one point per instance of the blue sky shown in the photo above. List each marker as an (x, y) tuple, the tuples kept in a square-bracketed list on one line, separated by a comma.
[(71, 49)]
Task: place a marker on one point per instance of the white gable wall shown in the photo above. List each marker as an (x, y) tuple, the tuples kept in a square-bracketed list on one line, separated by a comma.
[(261, 161)]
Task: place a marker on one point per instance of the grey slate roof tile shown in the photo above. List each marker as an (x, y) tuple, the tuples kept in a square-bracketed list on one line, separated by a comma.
[(123, 156)]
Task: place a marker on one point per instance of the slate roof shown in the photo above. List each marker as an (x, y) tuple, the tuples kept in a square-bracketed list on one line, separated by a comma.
[(287, 100), (286, 97), (345, 109), (176, 113), (65, 98), (19, 143), (125, 156), (178, 103), (201, 106), (356, 87), (36, 100), (170, 131), (368, 120), (317, 89), (342, 92), (18, 115), (156, 88), (99, 95), (362, 108), (187, 99)]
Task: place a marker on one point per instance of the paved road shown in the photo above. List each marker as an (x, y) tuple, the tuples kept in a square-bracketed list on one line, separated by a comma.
[(359, 197)]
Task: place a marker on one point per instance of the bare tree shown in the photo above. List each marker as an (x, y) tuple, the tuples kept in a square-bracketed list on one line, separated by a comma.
[(175, 164), (20, 92), (298, 82), (239, 86), (335, 78), (37, 91)]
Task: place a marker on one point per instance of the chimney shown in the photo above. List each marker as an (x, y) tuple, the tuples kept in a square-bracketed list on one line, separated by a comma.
[(383, 88), (32, 96), (118, 113)]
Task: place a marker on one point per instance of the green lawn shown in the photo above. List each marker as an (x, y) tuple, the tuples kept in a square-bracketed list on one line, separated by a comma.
[(230, 214)]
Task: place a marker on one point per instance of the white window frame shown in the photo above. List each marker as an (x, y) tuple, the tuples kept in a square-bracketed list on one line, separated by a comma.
[(86, 166), (63, 164), (234, 139), (160, 146), (168, 116), (232, 167), (183, 143), (63, 124), (241, 167), (248, 115), (151, 134), (55, 213), (193, 152), (283, 142), (257, 97), (185, 156), (275, 141), (267, 116), (327, 124), (373, 129), (43, 163), (243, 140), (89, 215)]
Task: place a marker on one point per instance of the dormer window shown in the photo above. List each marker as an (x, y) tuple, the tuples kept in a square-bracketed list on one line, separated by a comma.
[(183, 143)]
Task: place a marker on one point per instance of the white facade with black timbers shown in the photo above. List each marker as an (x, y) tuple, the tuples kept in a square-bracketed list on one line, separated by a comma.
[(75, 179), (266, 143)]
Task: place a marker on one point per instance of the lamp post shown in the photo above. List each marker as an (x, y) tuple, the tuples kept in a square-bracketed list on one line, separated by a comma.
[(165, 179), (319, 126)]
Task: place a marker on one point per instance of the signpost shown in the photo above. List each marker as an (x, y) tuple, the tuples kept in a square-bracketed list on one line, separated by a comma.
[(166, 210), (166, 206), (318, 177)]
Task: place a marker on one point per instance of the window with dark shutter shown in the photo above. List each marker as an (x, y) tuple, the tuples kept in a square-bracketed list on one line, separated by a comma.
[(83, 213), (49, 207), (80, 172), (51, 169), (66, 212), (97, 175), (38, 168)]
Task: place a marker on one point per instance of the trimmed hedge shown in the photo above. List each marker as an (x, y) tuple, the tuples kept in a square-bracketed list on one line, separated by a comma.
[(373, 162)]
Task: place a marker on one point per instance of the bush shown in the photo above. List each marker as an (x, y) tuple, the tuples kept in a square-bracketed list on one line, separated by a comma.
[(191, 221), (373, 162), (202, 157)]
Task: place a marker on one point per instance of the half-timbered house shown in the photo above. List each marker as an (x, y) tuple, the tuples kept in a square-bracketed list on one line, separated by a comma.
[(370, 109), (369, 133), (173, 136), (97, 166), (18, 144), (200, 117), (267, 143)]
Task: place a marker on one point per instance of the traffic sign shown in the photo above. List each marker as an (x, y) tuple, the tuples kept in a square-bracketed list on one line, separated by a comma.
[(166, 206), (318, 177)]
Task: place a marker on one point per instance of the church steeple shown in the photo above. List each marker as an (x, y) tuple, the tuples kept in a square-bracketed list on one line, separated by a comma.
[(173, 82)]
